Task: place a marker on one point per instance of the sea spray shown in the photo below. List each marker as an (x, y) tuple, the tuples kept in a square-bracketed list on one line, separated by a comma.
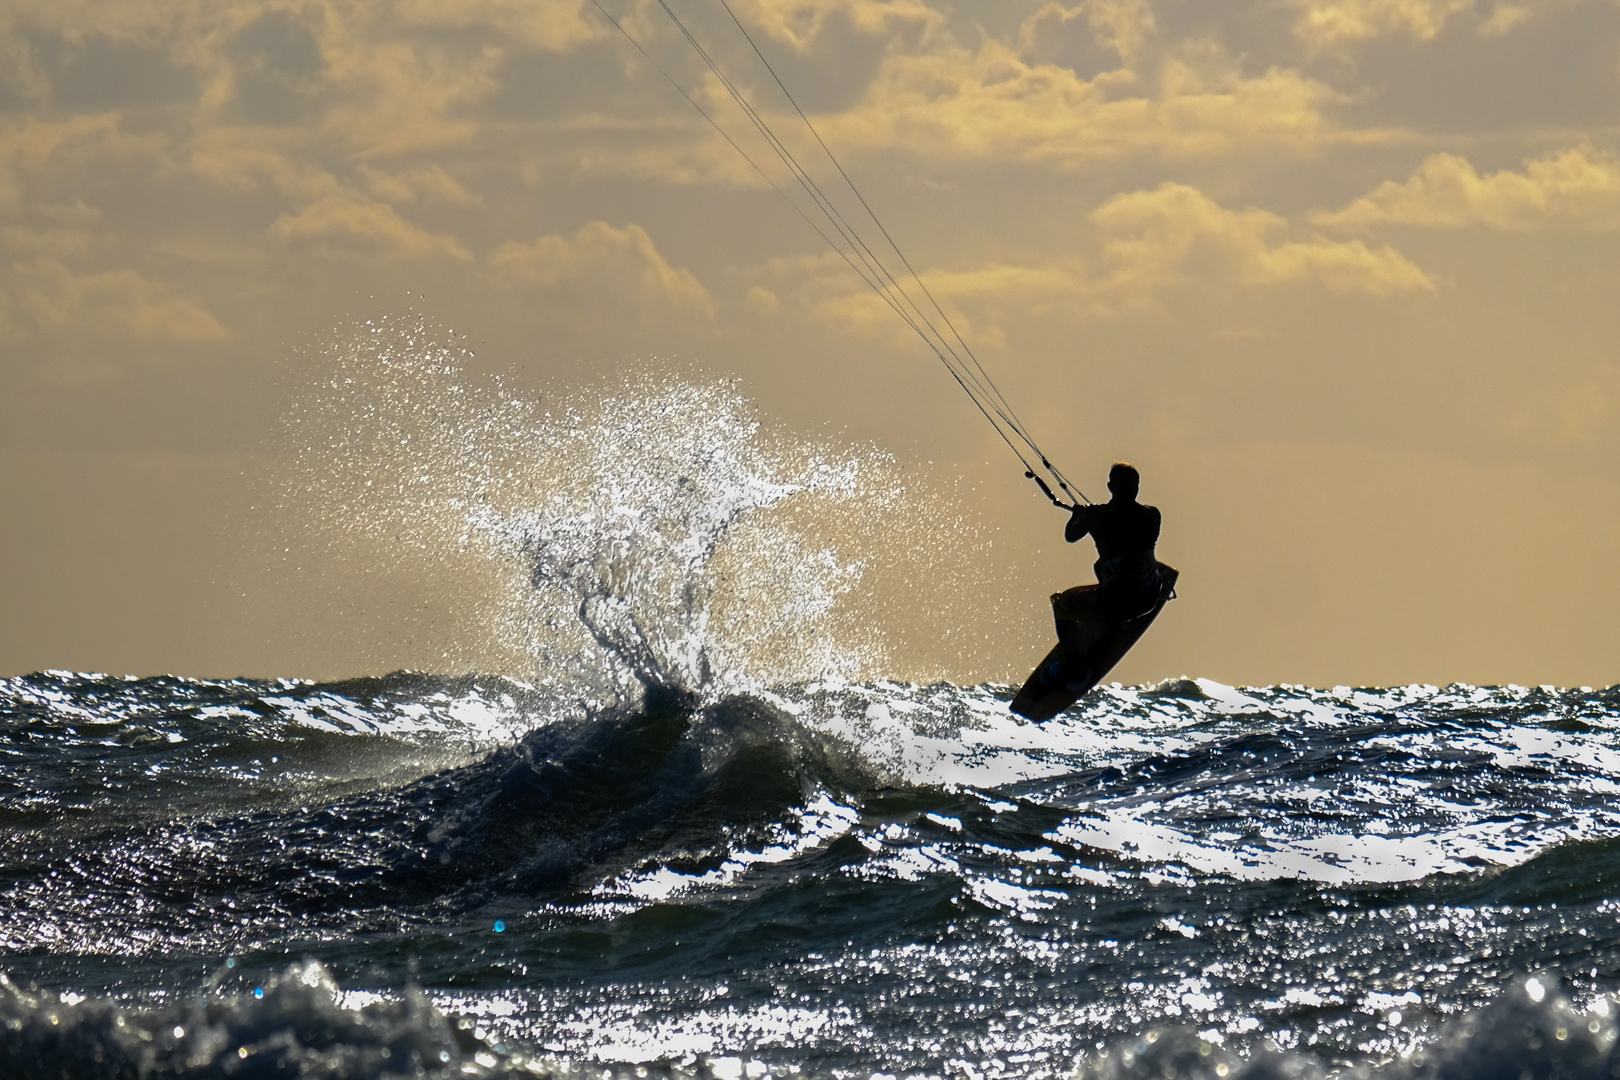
[(653, 531)]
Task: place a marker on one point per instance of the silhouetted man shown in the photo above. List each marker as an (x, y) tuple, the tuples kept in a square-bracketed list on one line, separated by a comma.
[(1125, 532), (1098, 624)]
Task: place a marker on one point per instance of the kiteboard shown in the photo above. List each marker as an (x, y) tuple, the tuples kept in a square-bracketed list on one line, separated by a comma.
[(1087, 649)]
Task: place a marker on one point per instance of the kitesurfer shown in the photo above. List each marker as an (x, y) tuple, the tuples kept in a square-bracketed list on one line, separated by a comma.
[(1097, 624), (1125, 532)]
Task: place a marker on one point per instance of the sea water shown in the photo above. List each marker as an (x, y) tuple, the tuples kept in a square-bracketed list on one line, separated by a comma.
[(694, 830)]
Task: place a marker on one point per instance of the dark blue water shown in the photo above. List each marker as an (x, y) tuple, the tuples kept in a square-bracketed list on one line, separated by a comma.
[(462, 877)]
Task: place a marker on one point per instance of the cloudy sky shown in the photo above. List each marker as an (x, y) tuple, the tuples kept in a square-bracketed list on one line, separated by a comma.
[(1340, 276)]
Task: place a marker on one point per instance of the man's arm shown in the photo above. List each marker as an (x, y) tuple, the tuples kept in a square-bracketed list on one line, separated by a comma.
[(1078, 524)]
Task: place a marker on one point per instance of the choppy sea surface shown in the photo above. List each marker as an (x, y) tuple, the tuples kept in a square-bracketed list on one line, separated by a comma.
[(704, 835), (461, 877)]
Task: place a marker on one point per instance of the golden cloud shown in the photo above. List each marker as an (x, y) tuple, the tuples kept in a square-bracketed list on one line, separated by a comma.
[(1151, 241), (19, 72), (396, 97), (430, 183), (1123, 25), (825, 287), (128, 20), (26, 148), (1342, 267), (1578, 409), (598, 253), (248, 158), (703, 158), (764, 300), (800, 22), (363, 72), (114, 303), (58, 243), (997, 292), (1578, 188), (991, 105), (59, 230), (367, 83), (552, 25), (1324, 24), (1165, 228), (1584, 410), (345, 219)]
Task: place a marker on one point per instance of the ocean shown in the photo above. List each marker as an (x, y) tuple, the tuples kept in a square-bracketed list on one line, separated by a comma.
[(696, 828), (468, 877)]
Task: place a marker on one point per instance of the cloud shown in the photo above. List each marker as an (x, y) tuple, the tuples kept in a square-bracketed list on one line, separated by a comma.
[(552, 25), (429, 183), (113, 303), (60, 230), (1576, 409), (1149, 242), (598, 256), (980, 301), (1577, 188), (763, 300), (346, 220), (991, 105), (1323, 24), (801, 22), (1584, 410), (19, 72), (397, 97), (59, 243), (695, 156), (1124, 26), (1159, 235), (384, 78), (27, 148), (246, 160), (292, 95)]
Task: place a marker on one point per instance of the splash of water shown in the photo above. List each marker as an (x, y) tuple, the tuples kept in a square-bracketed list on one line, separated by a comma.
[(655, 533), (630, 537)]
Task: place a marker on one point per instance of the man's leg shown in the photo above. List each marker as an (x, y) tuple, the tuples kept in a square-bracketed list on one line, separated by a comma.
[(1079, 616)]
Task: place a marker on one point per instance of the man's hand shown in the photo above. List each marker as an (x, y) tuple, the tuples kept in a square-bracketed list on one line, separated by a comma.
[(1076, 526)]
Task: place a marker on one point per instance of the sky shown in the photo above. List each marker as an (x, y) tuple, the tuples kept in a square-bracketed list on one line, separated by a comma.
[(1339, 276)]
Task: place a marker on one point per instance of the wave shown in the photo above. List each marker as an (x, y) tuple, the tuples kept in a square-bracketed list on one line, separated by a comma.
[(1531, 1030), (463, 780), (867, 876), (295, 1024), (670, 785), (299, 1022)]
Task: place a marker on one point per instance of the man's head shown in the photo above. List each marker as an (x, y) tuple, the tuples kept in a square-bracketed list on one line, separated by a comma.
[(1124, 481)]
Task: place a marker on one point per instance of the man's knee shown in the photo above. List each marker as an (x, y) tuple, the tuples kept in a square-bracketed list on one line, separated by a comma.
[(1076, 603)]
